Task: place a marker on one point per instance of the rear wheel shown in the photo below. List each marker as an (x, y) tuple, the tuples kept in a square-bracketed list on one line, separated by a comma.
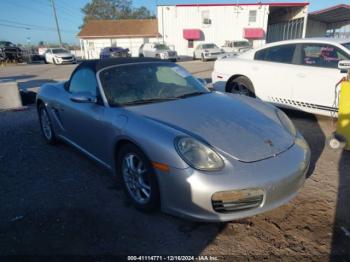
[(46, 126), (138, 178), (242, 86)]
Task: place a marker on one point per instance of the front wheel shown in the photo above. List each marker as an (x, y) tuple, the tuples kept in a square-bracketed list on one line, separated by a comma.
[(138, 178), (46, 126), (241, 86)]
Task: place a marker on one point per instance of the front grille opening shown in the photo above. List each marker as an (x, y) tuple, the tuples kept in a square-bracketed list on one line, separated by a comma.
[(238, 200)]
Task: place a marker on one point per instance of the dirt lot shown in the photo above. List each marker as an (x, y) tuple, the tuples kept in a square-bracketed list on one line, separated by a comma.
[(54, 201)]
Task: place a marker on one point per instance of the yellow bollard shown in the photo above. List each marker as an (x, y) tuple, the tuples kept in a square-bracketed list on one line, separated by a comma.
[(343, 124)]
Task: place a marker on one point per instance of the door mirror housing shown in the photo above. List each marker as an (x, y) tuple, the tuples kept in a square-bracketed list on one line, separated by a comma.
[(344, 65), (203, 81), (84, 97)]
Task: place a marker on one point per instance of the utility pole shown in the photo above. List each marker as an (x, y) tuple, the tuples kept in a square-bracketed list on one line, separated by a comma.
[(57, 26)]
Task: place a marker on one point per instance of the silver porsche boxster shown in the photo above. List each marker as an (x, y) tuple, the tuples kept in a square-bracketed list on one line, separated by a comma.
[(172, 143)]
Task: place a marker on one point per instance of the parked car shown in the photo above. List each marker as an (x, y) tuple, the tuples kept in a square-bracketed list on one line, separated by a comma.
[(109, 52), (2, 55), (207, 51), (11, 52), (157, 128), (59, 56), (161, 51), (235, 47), (298, 74)]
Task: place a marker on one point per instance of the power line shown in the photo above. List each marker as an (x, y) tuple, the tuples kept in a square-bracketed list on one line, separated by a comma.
[(31, 26)]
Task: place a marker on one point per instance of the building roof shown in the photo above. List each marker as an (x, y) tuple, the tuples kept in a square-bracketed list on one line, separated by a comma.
[(123, 28), (334, 14), (280, 4)]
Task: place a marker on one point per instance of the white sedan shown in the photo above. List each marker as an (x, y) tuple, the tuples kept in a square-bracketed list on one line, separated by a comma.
[(59, 56), (298, 74)]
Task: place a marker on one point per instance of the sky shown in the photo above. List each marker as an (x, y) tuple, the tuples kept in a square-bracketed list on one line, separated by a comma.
[(31, 21)]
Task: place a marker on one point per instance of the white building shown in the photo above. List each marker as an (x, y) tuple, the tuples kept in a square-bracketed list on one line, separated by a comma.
[(128, 33), (187, 25)]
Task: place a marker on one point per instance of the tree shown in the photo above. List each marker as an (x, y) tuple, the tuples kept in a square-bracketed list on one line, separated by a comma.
[(113, 9)]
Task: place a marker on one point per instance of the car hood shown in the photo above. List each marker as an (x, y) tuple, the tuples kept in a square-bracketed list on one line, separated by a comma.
[(214, 50), (239, 127)]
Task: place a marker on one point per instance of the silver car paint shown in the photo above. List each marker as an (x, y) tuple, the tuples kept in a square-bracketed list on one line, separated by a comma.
[(96, 130)]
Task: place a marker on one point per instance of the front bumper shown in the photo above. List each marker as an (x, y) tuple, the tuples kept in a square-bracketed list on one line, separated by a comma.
[(212, 56), (188, 193), (61, 60)]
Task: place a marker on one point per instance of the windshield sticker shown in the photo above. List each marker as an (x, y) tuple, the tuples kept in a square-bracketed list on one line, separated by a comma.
[(180, 71)]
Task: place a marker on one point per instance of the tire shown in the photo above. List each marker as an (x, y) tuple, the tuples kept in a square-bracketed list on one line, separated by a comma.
[(337, 142), (141, 55), (242, 86), (46, 125), (137, 181)]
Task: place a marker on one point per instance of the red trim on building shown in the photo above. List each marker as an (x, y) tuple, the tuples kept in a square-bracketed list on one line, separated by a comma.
[(191, 34), (246, 4), (253, 33), (330, 9)]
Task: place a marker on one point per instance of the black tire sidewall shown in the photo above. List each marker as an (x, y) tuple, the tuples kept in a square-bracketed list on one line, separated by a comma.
[(246, 82), (154, 202)]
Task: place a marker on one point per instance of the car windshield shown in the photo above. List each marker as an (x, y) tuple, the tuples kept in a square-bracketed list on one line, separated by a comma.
[(59, 50), (241, 44), (6, 44), (209, 46), (148, 83), (347, 45), (161, 47)]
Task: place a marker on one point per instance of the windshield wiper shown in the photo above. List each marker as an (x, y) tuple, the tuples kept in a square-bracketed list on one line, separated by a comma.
[(147, 101), (192, 94)]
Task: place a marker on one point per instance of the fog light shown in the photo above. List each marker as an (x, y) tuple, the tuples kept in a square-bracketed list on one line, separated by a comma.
[(237, 200)]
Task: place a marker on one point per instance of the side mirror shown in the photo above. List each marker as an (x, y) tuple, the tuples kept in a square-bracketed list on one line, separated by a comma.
[(203, 81), (84, 97), (344, 65)]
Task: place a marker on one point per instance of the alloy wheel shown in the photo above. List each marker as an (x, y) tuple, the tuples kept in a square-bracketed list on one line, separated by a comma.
[(135, 178)]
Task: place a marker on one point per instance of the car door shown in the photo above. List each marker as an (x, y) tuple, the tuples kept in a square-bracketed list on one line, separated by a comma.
[(85, 123), (270, 73), (48, 56), (198, 51), (316, 75)]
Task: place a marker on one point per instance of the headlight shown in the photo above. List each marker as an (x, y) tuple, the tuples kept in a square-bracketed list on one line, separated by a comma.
[(198, 155), (286, 122)]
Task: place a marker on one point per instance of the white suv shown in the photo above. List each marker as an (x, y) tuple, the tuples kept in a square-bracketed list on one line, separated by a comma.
[(157, 50)]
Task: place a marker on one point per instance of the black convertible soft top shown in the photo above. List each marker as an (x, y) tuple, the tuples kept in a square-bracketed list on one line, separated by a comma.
[(99, 64)]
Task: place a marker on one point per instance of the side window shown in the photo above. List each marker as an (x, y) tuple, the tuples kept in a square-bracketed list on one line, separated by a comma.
[(279, 54), (83, 80), (321, 55)]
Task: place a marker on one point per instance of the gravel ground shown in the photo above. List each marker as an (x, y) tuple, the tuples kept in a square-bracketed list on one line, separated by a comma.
[(54, 201)]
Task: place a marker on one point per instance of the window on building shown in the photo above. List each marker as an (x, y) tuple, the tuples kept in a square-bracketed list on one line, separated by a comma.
[(279, 54), (206, 17), (252, 16), (190, 43)]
